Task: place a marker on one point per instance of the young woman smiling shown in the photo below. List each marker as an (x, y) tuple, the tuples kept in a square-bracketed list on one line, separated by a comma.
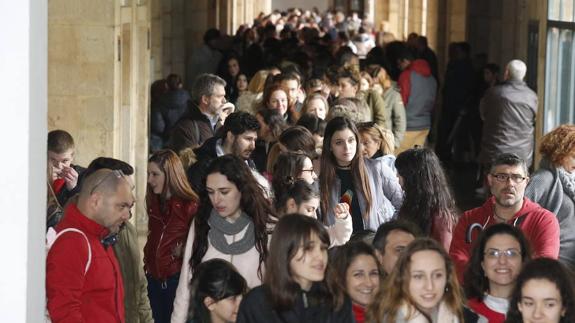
[(543, 293), (368, 186), (355, 271), (496, 261), (294, 288), (233, 223), (422, 287), (171, 205)]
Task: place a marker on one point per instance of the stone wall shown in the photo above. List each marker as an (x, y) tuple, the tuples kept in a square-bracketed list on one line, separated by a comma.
[(98, 79)]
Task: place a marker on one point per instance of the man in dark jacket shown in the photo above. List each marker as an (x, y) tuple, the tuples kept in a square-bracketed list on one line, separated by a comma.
[(508, 111), (418, 89), (238, 137), (202, 119), (167, 110)]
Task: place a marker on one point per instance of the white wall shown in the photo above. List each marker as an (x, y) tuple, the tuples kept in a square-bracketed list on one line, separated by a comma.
[(23, 89), (322, 5)]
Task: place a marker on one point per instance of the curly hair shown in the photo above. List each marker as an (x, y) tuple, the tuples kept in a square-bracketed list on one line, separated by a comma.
[(552, 271), (427, 193), (558, 144), (252, 201)]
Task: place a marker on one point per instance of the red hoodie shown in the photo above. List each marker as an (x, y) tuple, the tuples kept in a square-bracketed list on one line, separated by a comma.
[(418, 66), (72, 296), (540, 227)]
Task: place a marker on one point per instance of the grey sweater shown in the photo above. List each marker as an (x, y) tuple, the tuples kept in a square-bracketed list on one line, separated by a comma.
[(546, 189)]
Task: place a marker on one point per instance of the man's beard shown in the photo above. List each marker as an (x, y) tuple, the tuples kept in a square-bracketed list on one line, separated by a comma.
[(242, 153)]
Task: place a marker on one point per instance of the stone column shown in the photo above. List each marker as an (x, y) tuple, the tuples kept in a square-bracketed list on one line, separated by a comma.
[(23, 87), (98, 76)]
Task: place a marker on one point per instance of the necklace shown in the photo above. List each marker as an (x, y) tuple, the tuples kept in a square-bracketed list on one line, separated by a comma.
[(502, 219)]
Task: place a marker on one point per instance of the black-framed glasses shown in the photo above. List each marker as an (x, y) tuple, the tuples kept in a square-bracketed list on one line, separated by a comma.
[(115, 173), (496, 253), (307, 170), (503, 178)]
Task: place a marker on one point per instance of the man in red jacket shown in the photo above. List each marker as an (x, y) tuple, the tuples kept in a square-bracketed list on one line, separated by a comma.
[(83, 278), (507, 180)]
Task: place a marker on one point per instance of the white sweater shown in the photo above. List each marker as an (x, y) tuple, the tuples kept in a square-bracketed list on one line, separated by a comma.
[(246, 263)]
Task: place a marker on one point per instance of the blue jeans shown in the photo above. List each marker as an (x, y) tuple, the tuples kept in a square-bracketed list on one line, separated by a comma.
[(161, 295)]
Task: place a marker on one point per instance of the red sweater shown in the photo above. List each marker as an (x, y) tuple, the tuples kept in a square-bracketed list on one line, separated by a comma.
[(97, 296), (540, 227), (480, 308)]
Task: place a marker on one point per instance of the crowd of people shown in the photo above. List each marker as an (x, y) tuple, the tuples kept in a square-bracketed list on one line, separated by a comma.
[(295, 183)]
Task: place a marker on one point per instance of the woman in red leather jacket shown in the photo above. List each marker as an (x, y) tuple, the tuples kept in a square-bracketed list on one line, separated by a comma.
[(171, 205)]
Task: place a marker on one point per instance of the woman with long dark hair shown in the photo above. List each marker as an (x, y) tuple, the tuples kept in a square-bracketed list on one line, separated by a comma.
[(422, 287), (232, 223), (294, 289), (171, 205), (216, 293), (428, 200), (369, 187), (544, 293), (355, 271), (496, 260)]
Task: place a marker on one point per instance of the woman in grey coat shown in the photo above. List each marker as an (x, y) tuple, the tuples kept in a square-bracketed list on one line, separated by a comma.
[(369, 187), (553, 185)]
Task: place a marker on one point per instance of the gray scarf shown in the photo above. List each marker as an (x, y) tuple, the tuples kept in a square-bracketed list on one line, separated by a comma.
[(568, 182), (219, 227)]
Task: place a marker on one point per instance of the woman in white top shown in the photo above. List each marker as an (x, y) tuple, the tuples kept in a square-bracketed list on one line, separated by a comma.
[(222, 228)]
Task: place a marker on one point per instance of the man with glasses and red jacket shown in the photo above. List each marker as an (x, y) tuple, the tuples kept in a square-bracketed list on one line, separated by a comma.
[(507, 180)]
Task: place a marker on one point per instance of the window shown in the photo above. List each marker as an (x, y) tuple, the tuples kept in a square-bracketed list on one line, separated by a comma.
[(560, 65)]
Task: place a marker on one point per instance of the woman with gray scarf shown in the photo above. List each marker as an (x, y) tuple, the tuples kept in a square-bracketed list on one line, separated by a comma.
[(553, 185), (233, 223)]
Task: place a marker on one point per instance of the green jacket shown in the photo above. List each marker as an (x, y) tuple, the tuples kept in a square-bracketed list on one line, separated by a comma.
[(136, 299), (376, 105), (394, 113)]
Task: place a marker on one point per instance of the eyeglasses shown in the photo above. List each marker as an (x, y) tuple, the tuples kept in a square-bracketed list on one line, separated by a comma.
[(496, 253), (307, 170), (116, 173), (515, 178)]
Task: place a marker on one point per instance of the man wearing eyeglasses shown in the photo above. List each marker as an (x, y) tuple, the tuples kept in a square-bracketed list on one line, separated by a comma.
[(83, 278), (507, 180)]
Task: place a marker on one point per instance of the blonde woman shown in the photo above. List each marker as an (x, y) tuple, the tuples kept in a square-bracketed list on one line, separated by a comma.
[(421, 288)]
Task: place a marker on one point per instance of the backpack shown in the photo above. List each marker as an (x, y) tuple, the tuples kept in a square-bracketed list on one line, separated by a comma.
[(52, 236)]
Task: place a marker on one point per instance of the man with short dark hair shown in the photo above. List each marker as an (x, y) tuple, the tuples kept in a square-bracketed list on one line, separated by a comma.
[(83, 277), (237, 137), (507, 180), (391, 239), (61, 152), (202, 120)]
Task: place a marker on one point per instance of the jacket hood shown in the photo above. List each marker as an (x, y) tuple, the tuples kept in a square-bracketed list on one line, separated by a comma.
[(528, 207), (420, 67)]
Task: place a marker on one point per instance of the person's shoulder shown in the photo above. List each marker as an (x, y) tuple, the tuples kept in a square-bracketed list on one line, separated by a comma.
[(257, 296), (476, 214), (537, 214)]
